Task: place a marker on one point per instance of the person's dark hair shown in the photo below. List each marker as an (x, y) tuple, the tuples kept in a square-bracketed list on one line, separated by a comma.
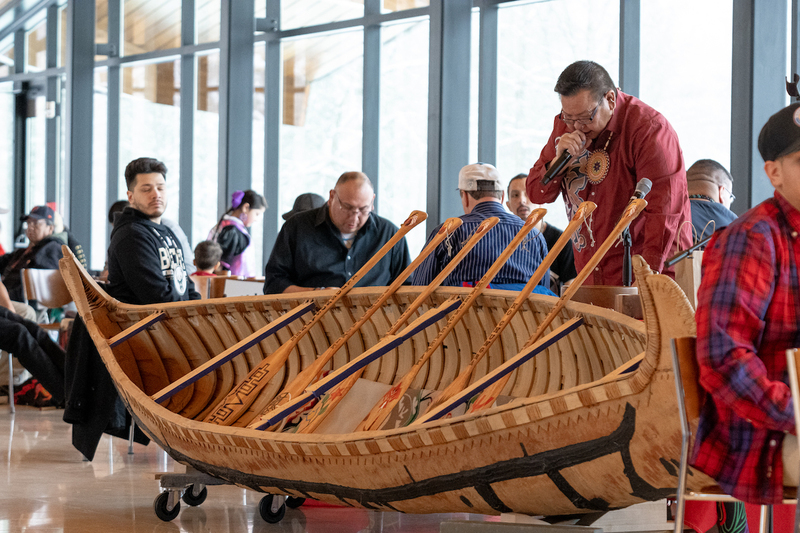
[(207, 254), (143, 165), (115, 208), (239, 198), (486, 188), (251, 197), (512, 180), (708, 167), (585, 75)]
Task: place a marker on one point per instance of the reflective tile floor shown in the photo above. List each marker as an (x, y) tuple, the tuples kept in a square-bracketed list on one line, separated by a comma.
[(48, 487)]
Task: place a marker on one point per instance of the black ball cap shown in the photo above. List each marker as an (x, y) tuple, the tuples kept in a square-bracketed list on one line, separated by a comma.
[(780, 136)]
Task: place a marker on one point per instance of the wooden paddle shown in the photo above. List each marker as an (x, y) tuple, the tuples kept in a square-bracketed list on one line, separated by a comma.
[(500, 372), (333, 398), (376, 417), (245, 393), (464, 378), (310, 373), (283, 409), (488, 396)]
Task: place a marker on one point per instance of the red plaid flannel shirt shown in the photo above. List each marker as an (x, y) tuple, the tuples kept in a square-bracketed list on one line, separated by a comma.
[(747, 316)]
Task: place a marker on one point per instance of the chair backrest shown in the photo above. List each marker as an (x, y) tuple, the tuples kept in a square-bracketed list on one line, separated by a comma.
[(45, 286), (201, 284), (687, 373), (792, 365)]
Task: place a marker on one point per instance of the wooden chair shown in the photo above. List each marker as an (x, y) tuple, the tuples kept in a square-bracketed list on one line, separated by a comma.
[(792, 366), (201, 285), (690, 401), (45, 288)]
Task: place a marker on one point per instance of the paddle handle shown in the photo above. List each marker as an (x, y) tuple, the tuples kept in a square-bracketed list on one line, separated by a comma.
[(321, 410), (630, 213), (584, 210), (482, 229), (382, 408), (243, 394)]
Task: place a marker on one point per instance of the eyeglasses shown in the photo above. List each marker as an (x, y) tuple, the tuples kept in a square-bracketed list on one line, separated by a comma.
[(730, 193), (363, 211), (581, 121)]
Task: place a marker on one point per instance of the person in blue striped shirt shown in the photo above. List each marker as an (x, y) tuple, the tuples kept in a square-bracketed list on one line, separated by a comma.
[(482, 194)]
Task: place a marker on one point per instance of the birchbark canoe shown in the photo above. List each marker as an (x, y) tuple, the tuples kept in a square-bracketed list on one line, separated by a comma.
[(592, 424)]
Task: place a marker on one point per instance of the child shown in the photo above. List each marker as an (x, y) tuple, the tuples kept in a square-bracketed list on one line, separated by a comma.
[(233, 235), (207, 257)]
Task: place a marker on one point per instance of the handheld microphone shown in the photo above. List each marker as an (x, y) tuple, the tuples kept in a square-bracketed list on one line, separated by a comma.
[(642, 188), (556, 168)]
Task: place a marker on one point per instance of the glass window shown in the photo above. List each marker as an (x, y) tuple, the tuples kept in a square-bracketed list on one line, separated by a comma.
[(207, 20), (7, 223), (62, 35), (149, 122), (35, 153), (100, 24), (206, 148), (152, 25), (322, 113), (474, 89), (100, 171), (696, 48), (301, 13), (36, 51), (404, 124), (7, 62), (536, 42), (400, 5), (259, 121)]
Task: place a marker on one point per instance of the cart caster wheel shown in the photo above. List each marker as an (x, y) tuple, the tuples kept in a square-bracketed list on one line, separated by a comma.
[(266, 512), (190, 499), (160, 507), (294, 503)]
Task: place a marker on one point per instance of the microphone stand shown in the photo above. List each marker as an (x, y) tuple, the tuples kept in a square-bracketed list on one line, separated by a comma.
[(686, 253), (627, 266)]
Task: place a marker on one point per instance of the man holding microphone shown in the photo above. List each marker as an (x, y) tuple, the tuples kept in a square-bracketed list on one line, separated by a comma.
[(603, 142)]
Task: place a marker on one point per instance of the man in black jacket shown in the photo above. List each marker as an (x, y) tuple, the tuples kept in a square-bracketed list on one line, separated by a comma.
[(145, 258), (44, 251), (145, 266)]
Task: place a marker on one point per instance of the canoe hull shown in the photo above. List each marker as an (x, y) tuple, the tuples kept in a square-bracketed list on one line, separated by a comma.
[(602, 440)]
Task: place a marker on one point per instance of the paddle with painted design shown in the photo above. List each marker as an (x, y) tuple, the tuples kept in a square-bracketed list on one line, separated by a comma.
[(245, 393), (490, 394), (463, 379), (377, 416), (312, 371), (333, 398)]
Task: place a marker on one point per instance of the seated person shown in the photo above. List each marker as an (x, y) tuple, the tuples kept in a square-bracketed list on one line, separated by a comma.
[(207, 256), (747, 317), (482, 196), (710, 188), (563, 268), (62, 232), (324, 247), (34, 348), (44, 251)]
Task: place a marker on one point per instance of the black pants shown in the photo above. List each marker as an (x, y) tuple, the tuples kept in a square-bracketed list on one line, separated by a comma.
[(34, 348)]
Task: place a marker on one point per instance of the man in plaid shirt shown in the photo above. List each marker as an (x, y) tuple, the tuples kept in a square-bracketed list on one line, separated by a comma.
[(747, 316)]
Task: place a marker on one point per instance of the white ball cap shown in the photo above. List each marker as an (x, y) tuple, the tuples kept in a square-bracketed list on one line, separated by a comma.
[(469, 176)]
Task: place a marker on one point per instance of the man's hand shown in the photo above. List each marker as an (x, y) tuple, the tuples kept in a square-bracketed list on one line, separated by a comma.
[(573, 142)]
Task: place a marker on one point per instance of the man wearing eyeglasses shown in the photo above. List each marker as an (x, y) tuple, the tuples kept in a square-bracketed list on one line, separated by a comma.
[(710, 195), (615, 140), (324, 247)]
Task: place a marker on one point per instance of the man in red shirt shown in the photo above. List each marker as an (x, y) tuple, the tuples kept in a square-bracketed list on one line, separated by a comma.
[(747, 316), (615, 140)]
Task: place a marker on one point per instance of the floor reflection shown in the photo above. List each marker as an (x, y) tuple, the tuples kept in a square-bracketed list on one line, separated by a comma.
[(50, 488)]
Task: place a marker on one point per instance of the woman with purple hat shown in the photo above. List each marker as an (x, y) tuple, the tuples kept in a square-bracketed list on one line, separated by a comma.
[(233, 234)]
